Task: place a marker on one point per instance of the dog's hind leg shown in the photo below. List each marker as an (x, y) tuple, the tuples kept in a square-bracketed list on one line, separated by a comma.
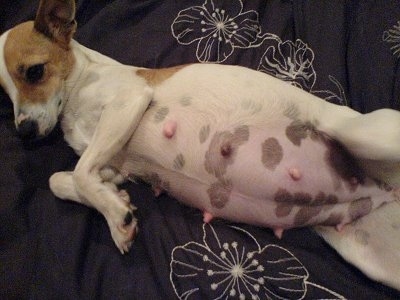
[(63, 186), (372, 243)]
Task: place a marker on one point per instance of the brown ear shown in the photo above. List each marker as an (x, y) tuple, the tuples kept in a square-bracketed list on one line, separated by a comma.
[(56, 20)]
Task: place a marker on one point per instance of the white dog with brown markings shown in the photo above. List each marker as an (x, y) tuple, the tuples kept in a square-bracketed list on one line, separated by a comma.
[(235, 143)]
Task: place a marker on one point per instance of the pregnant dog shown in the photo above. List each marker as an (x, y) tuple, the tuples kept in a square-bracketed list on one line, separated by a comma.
[(235, 143)]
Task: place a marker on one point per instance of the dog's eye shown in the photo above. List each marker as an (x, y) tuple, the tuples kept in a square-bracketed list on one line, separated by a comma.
[(34, 73)]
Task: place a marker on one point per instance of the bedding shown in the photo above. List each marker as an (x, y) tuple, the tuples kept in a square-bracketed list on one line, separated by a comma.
[(346, 52)]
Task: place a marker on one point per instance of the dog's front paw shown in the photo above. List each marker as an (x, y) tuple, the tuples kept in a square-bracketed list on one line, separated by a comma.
[(122, 223), (123, 234)]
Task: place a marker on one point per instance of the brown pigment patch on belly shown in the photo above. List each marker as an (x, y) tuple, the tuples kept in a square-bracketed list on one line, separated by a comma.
[(305, 214), (161, 114), (296, 132), (186, 101), (219, 193), (284, 203), (360, 207), (333, 219), (283, 210), (271, 153), (292, 111), (342, 164), (204, 133), (179, 162), (302, 199), (223, 148)]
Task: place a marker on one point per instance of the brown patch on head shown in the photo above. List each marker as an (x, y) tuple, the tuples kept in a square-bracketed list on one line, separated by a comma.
[(271, 153), (360, 207), (219, 193), (223, 148), (155, 77), (26, 47)]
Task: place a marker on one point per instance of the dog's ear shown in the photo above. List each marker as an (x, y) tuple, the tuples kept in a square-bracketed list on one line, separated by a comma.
[(56, 20)]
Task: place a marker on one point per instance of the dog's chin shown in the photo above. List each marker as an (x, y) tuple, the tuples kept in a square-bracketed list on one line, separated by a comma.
[(48, 136)]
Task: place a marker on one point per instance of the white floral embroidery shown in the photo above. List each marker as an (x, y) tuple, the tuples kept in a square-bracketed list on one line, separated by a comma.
[(240, 269), (293, 62), (290, 61), (217, 31), (392, 36)]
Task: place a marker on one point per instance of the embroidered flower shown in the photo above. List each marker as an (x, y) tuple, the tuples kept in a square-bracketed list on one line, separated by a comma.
[(215, 29), (392, 36), (233, 269), (292, 62)]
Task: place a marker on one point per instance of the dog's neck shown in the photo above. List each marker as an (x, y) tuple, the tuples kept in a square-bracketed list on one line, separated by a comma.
[(83, 58)]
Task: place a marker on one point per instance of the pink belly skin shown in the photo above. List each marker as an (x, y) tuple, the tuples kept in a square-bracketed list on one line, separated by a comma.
[(288, 175)]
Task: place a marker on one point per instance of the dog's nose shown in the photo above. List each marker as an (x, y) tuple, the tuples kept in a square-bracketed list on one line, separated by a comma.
[(28, 129)]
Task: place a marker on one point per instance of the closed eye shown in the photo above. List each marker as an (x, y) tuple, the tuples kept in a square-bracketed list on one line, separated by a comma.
[(34, 73)]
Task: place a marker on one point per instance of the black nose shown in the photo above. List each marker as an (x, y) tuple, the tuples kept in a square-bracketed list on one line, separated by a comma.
[(28, 129)]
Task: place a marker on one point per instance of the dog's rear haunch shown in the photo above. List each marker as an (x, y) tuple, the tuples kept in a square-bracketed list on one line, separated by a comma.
[(235, 143)]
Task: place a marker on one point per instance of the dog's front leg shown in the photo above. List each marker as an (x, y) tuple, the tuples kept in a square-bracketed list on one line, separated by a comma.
[(118, 121)]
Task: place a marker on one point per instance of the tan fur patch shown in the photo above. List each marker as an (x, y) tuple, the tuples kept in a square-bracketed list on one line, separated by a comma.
[(271, 153), (155, 77), (26, 47)]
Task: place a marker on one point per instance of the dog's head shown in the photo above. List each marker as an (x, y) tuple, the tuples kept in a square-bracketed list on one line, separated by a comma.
[(35, 60)]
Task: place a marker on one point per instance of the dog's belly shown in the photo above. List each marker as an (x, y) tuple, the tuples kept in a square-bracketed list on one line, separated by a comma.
[(278, 173)]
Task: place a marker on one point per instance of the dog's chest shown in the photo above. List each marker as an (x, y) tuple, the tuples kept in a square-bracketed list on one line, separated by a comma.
[(78, 123)]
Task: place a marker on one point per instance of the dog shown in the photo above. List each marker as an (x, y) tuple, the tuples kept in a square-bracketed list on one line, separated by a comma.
[(233, 142)]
